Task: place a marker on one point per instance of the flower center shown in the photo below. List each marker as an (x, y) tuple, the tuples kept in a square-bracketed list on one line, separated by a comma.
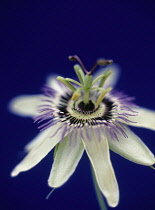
[(79, 111), (86, 107)]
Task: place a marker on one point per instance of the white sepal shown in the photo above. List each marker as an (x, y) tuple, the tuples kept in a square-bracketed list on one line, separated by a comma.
[(40, 150), (67, 156), (144, 118), (25, 105), (38, 139), (132, 148), (98, 153)]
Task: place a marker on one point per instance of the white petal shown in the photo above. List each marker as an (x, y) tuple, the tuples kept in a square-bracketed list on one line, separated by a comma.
[(145, 118), (98, 153), (25, 105), (66, 160), (113, 78), (132, 148), (38, 152)]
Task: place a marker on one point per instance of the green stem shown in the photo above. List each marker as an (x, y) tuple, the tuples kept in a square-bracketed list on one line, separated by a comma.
[(86, 96), (98, 192)]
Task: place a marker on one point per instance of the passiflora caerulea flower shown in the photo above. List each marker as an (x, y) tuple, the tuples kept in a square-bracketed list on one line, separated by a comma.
[(85, 115)]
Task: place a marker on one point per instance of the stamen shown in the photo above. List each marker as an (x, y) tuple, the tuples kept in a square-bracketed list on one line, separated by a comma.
[(102, 95), (76, 95)]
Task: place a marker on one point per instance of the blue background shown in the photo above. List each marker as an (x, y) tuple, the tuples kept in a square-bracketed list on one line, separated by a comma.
[(36, 38)]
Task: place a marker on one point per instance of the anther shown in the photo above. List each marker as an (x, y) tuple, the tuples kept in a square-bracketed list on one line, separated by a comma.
[(101, 62), (76, 95)]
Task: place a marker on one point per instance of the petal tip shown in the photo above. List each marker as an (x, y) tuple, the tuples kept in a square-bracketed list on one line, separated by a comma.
[(25, 105), (14, 173), (50, 184), (113, 203), (112, 200)]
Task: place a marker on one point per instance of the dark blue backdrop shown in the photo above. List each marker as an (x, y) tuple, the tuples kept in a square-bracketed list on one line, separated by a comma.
[(36, 39)]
